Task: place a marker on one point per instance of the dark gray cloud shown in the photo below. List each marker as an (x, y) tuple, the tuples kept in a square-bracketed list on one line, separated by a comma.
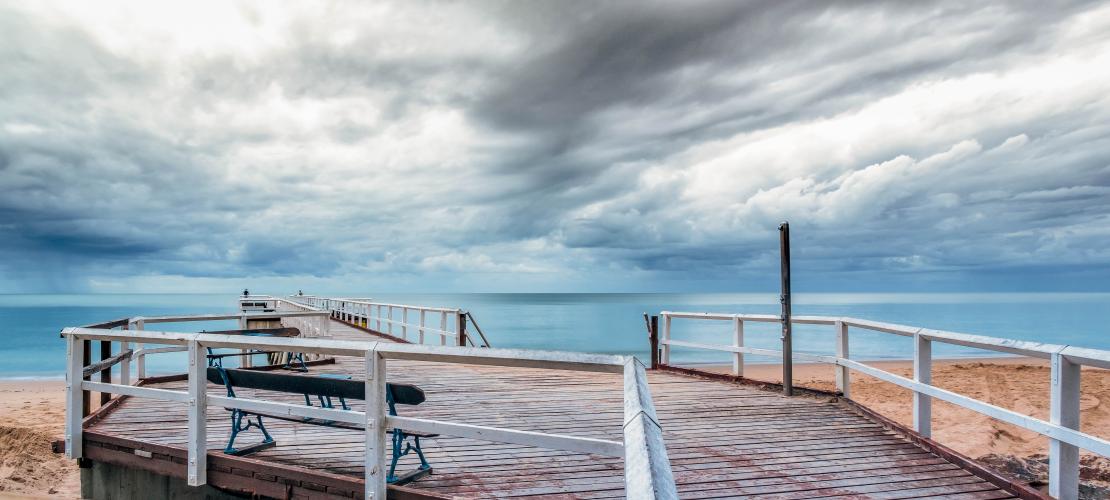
[(600, 145)]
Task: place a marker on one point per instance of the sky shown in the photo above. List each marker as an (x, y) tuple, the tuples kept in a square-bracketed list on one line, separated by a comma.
[(554, 146)]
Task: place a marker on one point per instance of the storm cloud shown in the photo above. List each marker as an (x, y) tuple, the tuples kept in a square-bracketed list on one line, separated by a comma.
[(632, 146)]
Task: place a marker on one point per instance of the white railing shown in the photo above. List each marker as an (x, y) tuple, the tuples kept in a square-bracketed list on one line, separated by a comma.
[(646, 467), (1062, 428), (311, 324), (394, 319)]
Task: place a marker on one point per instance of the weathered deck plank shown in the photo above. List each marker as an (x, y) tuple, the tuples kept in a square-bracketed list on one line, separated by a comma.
[(724, 440)]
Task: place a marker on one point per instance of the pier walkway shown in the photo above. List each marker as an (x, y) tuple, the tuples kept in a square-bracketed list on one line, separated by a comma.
[(724, 439)]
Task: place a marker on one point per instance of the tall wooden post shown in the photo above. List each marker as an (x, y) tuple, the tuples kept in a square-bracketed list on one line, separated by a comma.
[(787, 350), (461, 329), (653, 339)]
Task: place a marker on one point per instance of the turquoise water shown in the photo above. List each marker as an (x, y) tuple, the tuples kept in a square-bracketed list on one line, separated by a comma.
[(606, 323)]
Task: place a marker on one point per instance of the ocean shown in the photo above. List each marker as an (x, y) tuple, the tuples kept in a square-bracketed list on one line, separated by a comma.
[(603, 323)]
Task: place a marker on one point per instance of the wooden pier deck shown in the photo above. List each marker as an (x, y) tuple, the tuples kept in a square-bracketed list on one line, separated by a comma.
[(723, 439)]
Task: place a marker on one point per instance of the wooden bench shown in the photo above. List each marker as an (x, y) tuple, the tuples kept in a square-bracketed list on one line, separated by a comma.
[(325, 388), (289, 357)]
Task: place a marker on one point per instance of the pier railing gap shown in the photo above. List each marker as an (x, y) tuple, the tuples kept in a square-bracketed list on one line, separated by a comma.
[(1062, 427)]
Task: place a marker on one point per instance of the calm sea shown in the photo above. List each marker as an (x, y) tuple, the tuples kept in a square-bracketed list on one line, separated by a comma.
[(604, 323)]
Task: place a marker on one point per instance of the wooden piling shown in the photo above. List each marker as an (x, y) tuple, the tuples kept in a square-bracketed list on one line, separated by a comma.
[(787, 329)]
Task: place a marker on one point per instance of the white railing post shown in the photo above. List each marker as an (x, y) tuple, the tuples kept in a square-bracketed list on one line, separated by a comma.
[(140, 360), (198, 415), (923, 373), (420, 334), (405, 323), (666, 356), (244, 361), (738, 341), (375, 429), (1063, 458), (379, 328), (75, 354), (843, 374), (389, 311), (442, 327)]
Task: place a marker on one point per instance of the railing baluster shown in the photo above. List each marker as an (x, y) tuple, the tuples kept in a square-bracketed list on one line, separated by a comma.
[(843, 374), (666, 339), (922, 372), (75, 355), (420, 335), (1063, 458), (405, 323), (198, 411), (125, 366), (140, 360), (390, 318), (375, 430), (442, 327), (738, 341)]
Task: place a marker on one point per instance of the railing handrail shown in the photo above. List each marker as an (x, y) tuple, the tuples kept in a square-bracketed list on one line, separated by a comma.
[(364, 312), (647, 469), (1091, 357), (226, 316), (1062, 428)]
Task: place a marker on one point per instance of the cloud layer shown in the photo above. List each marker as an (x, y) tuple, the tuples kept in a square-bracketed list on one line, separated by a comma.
[(554, 146)]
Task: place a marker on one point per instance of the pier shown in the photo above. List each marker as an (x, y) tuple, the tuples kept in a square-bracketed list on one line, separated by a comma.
[(514, 423)]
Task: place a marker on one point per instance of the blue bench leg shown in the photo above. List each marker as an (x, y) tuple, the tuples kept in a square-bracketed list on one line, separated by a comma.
[(237, 427), (420, 453), (236, 419), (398, 441)]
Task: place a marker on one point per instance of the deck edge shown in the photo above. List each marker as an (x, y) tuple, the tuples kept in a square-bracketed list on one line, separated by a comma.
[(236, 474)]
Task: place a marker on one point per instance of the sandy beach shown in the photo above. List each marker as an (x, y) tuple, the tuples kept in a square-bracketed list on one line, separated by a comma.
[(32, 411), (32, 415)]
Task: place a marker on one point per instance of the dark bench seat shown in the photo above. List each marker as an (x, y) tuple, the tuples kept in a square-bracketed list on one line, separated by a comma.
[(324, 387)]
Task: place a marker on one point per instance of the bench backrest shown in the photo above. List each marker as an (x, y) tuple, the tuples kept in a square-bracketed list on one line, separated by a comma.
[(287, 331), (404, 394)]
